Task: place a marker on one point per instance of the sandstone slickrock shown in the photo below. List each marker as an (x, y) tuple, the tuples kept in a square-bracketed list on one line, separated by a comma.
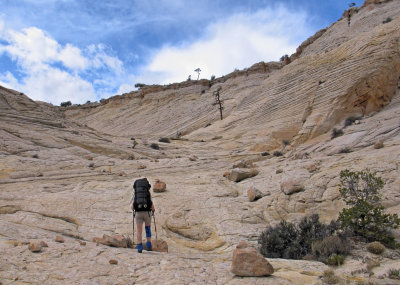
[(339, 72), (247, 261)]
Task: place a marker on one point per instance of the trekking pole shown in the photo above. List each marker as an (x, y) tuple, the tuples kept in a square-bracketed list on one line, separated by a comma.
[(133, 228), (155, 226)]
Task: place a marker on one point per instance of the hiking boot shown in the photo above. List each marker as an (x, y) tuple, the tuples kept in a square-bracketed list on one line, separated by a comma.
[(140, 248), (148, 245)]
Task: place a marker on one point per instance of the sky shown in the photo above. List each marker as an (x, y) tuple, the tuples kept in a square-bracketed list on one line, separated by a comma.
[(80, 50)]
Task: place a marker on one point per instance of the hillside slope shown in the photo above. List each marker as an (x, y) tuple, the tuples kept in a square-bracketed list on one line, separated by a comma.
[(69, 171)]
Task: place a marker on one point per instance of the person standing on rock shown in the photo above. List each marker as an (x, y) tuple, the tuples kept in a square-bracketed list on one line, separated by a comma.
[(142, 206)]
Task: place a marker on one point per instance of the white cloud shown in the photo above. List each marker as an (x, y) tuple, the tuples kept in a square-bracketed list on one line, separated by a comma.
[(238, 42), (55, 73)]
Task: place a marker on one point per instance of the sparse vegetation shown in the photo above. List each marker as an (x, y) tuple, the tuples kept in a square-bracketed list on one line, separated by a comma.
[(376, 247), (345, 150), (336, 133), (164, 140), (387, 20), (350, 120), (198, 70), (394, 273), (286, 142), (365, 217), (66, 104), (329, 246), (329, 277), (277, 153), (35, 155), (212, 77), (140, 85), (154, 146), (335, 259), (265, 153), (287, 240), (284, 57), (218, 101)]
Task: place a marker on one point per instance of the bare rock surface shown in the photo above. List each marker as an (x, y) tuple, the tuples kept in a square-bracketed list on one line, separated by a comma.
[(60, 168)]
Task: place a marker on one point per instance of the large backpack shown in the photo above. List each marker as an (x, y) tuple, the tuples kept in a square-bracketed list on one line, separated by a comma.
[(142, 198)]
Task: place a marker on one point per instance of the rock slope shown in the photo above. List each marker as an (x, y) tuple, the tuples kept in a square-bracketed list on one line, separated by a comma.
[(69, 171)]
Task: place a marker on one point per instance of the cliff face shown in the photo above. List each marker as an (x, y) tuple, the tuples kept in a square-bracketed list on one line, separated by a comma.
[(69, 171)]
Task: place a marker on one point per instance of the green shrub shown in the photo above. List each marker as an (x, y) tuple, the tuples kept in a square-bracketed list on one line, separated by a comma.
[(376, 247), (164, 140), (388, 20), (345, 150), (350, 120), (66, 104), (335, 259), (394, 274), (336, 133), (277, 153), (287, 240), (365, 217), (154, 146)]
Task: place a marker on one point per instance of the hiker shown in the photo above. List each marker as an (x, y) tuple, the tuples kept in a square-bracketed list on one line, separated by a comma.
[(142, 206)]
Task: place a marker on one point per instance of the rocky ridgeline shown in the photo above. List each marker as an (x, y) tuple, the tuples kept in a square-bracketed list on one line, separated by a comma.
[(289, 128)]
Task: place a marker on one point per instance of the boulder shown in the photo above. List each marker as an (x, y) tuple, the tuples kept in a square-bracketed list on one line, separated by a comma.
[(44, 244), (114, 240), (293, 182), (247, 261), (59, 239), (193, 158), (35, 246), (159, 186), (239, 174), (254, 194)]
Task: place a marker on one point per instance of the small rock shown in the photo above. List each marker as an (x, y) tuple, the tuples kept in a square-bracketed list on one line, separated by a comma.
[(193, 158), (243, 164), (142, 166), (159, 186), (98, 240), (115, 241), (35, 246), (247, 261), (254, 194), (378, 145), (311, 168), (82, 242), (293, 182), (113, 261), (159, 245), (59, 239), (44, 244), (239, 174), (121, 173), (226, 174)]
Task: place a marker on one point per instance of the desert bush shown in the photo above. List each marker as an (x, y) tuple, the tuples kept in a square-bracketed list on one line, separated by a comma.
[(35, 155), (212, 77), (334, 244), (154, 146), (388, 20), (266, 153), (335, 259), (365, 217), (66, 104), (131, 157), (345, 150), (164, 140), (277, 153), (350, 120), (376, 247), (287, 240), (336, 133), (330, 277), (286, 142), (394, 273)]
